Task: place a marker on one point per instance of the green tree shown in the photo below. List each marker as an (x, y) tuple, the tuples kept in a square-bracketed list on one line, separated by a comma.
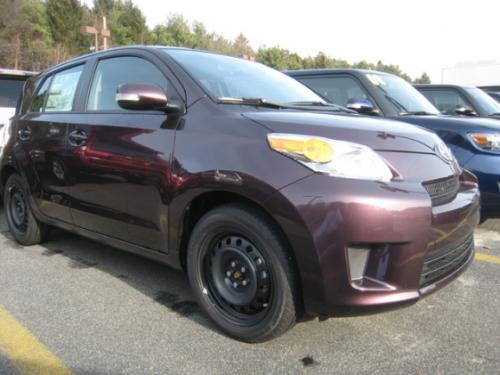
[(65, 19), (424, 78), (126, 22)]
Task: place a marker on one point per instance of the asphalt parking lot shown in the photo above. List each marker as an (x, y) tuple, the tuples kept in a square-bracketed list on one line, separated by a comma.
[(97, 310)]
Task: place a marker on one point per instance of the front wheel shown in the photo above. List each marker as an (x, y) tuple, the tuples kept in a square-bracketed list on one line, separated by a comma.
[(242, 274), (25, 228)]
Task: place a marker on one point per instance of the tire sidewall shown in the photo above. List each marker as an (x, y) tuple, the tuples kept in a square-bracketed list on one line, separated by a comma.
[(33, 231), (235, 221)]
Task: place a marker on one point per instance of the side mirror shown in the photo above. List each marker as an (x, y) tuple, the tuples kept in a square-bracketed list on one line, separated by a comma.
[(141, 97), (363, 106), (465, 111)]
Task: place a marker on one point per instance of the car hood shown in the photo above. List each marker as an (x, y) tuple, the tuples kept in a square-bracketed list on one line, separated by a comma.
[(467, 124), (379, 134)]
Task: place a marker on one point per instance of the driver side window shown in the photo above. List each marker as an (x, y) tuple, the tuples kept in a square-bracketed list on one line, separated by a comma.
[(337, 90), (445, 100), (116, 71)]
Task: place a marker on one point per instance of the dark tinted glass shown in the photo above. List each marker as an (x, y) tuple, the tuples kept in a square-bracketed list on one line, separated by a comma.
[(337, 90), (10, 90), (445, 100), (113, 72)]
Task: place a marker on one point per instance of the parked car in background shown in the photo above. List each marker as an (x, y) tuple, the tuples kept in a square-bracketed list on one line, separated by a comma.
[(495, 95), (11, 85), (461, 100), (277, 204), (474, 141)]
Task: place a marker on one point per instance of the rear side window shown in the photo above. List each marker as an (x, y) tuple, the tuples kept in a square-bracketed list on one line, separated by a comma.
[(10, 90), (57, 92), (116, 71), (338, 90), (63, 89), (445, 100)]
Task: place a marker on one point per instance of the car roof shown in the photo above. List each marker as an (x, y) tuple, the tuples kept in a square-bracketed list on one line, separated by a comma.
[(16, 73), (106, 51), (442, 85), (333, 70)]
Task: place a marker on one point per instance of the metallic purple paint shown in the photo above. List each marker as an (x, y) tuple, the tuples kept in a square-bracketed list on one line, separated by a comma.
[(137, 179)]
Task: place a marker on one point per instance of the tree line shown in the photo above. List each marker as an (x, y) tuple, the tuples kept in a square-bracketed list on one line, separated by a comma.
[(35, 34)]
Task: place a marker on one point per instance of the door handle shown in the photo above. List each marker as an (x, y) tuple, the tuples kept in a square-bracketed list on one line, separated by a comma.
[(77, 137), (24, 134)]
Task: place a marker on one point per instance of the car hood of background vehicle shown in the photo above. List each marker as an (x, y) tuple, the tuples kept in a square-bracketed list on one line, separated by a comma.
[(465, 124), (379, 134)]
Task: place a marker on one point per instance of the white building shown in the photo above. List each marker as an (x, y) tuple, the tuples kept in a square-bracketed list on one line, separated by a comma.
[(479, 73)]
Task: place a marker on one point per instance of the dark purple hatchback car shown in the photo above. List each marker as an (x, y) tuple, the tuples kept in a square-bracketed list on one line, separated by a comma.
[(277, 210)]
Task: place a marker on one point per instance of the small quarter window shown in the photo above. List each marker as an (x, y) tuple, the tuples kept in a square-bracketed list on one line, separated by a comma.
[(39, 97)]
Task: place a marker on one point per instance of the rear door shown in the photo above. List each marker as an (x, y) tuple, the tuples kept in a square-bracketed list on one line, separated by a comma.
[(120, 159), (42, 133)]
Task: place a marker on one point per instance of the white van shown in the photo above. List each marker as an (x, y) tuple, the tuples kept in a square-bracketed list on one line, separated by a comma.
[(11, 85)]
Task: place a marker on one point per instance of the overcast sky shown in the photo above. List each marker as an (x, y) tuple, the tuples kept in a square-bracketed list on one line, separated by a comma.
[(417, 35)]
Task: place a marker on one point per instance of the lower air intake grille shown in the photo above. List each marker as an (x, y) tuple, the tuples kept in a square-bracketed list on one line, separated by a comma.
[(443, 191), (439, 263)]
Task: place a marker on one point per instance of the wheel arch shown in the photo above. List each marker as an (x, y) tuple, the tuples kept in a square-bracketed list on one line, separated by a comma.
[(204, 202)]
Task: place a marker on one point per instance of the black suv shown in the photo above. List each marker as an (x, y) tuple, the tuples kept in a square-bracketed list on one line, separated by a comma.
[(461, 100)]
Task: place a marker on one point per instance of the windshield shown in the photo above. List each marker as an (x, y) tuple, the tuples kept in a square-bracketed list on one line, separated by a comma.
[(486, 102), (10, 90), (229, 77), (402, 96)]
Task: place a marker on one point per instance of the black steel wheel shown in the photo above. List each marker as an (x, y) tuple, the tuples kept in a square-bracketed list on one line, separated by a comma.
[(25, 228), (241, 273)]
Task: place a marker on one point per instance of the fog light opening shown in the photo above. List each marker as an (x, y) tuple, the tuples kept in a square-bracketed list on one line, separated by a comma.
[(357, 258)]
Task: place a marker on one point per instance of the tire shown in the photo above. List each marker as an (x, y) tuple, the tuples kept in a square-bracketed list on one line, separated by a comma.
[(242, 274), (25, 228)]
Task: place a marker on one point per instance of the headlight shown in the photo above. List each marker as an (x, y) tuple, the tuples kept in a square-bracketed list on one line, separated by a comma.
[(335, 158), (490, 142)]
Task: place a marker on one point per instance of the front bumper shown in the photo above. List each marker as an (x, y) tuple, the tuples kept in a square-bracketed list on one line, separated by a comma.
[(396, 222)]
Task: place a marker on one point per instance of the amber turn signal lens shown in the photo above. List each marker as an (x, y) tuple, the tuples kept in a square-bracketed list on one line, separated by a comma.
[(314, 149)]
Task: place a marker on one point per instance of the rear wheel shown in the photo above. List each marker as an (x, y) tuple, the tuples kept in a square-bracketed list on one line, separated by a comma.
[(25, 228), (242, 274)]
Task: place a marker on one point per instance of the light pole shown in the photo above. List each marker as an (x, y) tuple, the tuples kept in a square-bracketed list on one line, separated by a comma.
[(104, 33)]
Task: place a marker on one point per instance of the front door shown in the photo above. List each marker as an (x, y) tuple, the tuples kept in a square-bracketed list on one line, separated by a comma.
[(120, 159)]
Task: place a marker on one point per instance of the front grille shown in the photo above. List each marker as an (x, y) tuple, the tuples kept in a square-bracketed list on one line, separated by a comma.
[(443, 191), (441, 262)]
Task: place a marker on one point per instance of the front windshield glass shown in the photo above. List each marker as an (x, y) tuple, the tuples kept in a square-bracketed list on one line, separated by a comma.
[(402, 96), (229, 77), (486, 102)]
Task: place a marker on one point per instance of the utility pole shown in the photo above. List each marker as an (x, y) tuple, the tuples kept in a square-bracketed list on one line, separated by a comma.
[(104, 33)]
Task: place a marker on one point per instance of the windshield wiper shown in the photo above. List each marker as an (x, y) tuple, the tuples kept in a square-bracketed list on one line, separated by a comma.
[(494, 114), (330, 106), (259, 102)]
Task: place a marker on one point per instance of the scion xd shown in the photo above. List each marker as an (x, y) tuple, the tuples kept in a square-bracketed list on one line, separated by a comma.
[(231, 171)]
